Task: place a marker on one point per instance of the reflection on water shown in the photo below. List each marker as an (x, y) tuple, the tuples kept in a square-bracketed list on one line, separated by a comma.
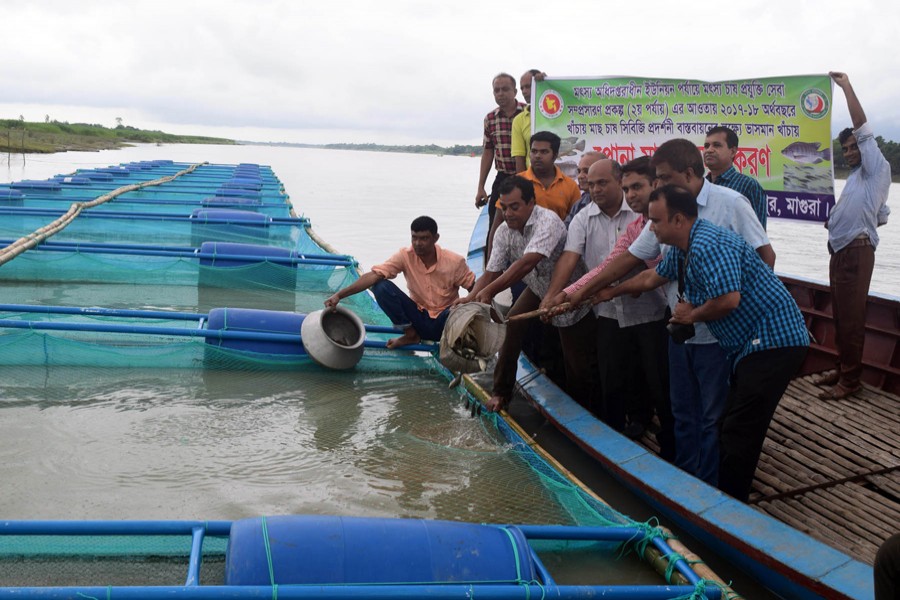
[(146, 443)]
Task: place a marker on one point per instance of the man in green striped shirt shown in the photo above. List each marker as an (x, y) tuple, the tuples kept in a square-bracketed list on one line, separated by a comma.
[(719, 151)]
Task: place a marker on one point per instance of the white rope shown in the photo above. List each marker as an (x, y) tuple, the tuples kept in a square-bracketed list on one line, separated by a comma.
[(37, 236)]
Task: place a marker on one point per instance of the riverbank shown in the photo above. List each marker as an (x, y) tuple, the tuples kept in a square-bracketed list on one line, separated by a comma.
[(22, 137)]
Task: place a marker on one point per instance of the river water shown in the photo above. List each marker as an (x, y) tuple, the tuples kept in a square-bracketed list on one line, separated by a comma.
[(84, 443)]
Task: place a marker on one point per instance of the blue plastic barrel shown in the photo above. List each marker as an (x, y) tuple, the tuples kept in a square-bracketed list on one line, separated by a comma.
[(353, 550), (249, 203), (10, 197), (245, 183), (96, 175), (228, 225), (30, 184), (250, 254), (241, 192), (73, 179), (265, 321)]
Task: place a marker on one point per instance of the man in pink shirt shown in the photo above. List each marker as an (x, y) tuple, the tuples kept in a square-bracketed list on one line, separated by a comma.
[(433, 277)]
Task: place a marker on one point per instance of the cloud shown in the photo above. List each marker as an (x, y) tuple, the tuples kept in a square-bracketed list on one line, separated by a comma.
[(401, 69)]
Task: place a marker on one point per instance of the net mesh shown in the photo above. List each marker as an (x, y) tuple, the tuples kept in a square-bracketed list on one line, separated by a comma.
[(271, 432)]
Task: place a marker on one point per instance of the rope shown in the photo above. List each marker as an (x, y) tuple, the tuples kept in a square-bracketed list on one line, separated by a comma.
[(265, 532), (39, 235)]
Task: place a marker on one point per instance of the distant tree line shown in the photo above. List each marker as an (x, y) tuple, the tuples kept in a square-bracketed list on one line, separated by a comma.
[(457, 150), (891, 151)]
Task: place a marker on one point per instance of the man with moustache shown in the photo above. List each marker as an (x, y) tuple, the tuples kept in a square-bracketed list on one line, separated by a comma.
[(552, 189), (527, 245), (592, 236), (727, 286), (643, 340), (719, 151), (584, 163), (698, 368), (497, 142)]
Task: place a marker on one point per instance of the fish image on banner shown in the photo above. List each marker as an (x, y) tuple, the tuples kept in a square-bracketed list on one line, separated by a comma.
[(806, 152), (568, 146)]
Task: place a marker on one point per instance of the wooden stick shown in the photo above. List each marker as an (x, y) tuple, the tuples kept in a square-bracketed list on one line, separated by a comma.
[(568, 306)]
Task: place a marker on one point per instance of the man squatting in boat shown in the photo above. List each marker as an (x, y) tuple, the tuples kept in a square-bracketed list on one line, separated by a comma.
[(852, 239), (433, 277)]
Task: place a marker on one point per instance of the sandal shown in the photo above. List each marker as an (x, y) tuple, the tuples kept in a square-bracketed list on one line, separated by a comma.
[(838, 392)]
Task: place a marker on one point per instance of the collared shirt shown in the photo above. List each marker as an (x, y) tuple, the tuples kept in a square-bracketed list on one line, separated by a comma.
[(521, 135), (544, 234), (747, 187), (585, 200), (595, 235), (625, 240), (559, 197), (719, 262), (432, 288), (498, 137), (720, 206), (862, 205)]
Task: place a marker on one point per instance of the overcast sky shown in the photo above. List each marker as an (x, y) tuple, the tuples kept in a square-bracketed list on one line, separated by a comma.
[(408, 72)]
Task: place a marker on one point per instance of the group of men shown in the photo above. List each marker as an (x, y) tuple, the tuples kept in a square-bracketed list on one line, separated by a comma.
[(657, 278)]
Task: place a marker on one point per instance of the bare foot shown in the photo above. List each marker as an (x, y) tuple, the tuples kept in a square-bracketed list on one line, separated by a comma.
[(410, 336), (496, 403)]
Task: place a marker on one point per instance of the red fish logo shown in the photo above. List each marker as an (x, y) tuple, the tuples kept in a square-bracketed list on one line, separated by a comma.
[(551, 104), (814, 103)]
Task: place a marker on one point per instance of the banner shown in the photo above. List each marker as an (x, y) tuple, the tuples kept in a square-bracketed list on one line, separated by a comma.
[(783, 124)]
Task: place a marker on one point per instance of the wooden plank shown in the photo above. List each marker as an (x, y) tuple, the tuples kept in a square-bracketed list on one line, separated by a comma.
[(818, 458), (847, 434), (889, 484)]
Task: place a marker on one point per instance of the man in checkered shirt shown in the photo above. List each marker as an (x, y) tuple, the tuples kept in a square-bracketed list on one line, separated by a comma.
[(498, 143), (746, 307)]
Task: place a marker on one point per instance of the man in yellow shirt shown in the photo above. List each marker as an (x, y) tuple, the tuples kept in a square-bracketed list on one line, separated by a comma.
[(521, 123), (433, 277)]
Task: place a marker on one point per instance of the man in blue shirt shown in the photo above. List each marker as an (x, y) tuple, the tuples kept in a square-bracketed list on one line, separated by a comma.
[(852, 240), (719, 150), (746, 307)]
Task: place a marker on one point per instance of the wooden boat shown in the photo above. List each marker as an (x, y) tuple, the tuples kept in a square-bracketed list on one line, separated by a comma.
[(827, 489)]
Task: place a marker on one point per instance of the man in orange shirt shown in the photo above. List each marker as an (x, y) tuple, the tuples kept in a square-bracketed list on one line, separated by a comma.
[(552, 189), (433, 277)]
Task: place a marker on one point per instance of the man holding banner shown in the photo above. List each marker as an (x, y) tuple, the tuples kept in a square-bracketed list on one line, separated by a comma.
[(852, 239)]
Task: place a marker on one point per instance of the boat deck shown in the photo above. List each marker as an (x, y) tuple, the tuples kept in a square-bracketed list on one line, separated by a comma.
[(831, 469)]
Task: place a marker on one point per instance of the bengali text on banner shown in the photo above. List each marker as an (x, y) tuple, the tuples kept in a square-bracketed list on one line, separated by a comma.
[(783, 124)]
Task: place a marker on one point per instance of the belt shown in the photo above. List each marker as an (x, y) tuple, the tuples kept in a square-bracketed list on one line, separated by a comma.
[(856, 243)]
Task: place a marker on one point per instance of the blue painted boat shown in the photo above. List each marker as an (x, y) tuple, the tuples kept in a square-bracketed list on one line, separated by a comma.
[(784, 559)]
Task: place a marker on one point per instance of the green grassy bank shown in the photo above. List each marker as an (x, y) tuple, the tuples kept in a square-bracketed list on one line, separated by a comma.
[(24, 137)]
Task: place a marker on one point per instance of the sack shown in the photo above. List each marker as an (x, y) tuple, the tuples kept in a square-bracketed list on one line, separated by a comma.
[(470, 338)]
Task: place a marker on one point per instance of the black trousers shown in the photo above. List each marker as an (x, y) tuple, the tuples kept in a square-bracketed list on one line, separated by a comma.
[(757, 384), (887, 569)]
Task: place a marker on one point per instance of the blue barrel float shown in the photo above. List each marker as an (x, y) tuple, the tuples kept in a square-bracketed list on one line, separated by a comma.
[(325, 550), (228, 225)]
